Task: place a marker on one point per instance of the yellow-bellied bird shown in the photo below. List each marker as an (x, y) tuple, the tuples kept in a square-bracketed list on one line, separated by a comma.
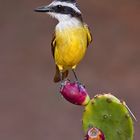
[(71, 37)]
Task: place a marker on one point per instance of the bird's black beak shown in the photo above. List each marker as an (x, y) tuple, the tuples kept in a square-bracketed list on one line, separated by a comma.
[(43, 9)]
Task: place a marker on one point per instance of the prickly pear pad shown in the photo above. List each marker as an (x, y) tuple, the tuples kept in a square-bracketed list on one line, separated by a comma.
[(107, 113)]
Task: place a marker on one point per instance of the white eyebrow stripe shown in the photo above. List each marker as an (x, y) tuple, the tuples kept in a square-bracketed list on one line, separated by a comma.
[(73, 6)]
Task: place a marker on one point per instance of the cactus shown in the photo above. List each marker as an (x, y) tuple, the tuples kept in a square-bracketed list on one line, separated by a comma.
[(110, 115), (105, 117)]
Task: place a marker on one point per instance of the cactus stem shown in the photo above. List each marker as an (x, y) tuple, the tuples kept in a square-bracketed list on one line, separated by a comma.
[(110, 116)]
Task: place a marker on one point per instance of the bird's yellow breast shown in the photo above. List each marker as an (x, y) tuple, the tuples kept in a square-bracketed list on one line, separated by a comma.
[(70, 47)]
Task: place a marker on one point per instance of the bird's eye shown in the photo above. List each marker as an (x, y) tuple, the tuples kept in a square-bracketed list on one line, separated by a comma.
[(59, 6)]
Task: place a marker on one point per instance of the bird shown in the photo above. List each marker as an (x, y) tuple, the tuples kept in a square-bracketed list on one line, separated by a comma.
[(71, 37)]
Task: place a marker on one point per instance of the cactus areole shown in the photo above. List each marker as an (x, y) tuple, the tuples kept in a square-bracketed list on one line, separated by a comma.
[(75, 93)]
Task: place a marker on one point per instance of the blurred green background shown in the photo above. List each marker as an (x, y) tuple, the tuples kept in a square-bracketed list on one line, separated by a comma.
[(30, 105)]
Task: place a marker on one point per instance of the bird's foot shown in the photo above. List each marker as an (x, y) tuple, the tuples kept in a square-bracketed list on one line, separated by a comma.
[(63, 83), (80, 85)]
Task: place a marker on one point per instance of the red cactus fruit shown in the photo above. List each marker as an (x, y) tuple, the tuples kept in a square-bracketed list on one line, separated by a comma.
[(94, 134), (75, 93)]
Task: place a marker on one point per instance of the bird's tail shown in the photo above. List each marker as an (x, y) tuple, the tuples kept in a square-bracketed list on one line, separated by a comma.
[(58, 75)]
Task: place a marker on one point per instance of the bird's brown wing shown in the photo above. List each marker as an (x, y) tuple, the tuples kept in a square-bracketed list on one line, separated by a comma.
[(53, 45), (89, 35)]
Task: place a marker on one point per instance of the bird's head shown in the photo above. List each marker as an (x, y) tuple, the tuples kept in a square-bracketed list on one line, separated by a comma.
[(62, 10)]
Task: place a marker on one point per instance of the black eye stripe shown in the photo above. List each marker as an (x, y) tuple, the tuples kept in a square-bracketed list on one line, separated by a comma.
[(66, 10), (70, 1), (61, 9)]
